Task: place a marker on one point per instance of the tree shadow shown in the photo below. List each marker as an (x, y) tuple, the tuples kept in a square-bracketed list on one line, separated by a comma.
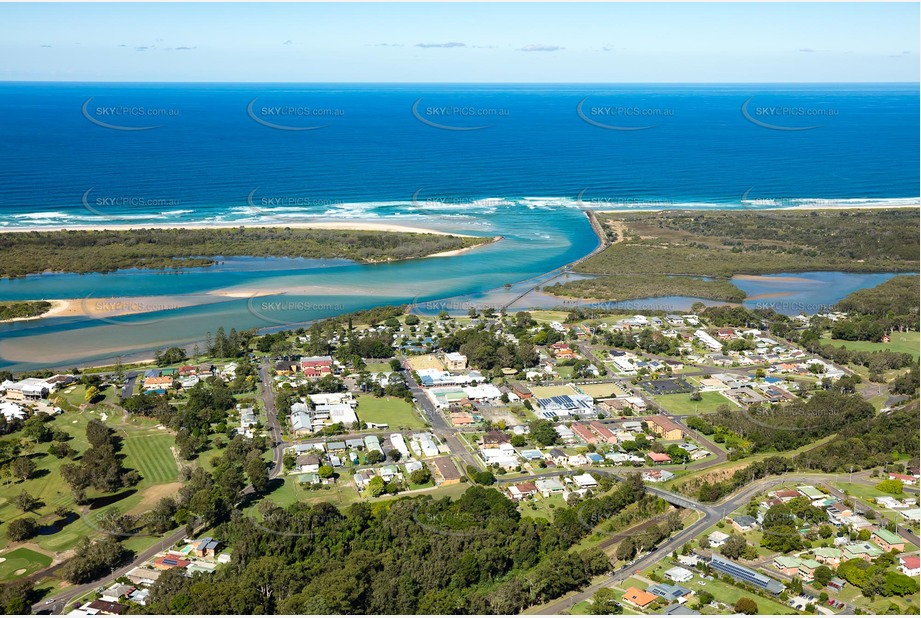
[(104, 501)]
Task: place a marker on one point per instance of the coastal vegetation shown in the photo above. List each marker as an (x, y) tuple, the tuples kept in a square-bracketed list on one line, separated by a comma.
[(20, 310), (722, 244), (629, 287), (85, 251), (476, 554)]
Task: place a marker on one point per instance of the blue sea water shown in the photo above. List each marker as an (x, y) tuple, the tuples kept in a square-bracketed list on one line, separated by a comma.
[(519, 161)]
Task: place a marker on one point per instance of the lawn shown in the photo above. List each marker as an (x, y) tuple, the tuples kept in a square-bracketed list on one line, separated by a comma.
[(395, 412), (681, 403), (146, 449), (149, 453), (550, 391), (901, 342), (21, 562), (378, 367), (601, 391)]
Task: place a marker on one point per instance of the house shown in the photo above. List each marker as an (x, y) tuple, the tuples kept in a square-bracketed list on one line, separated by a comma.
[(679, 575), (565, 433), (447, 470), (159, 382), (557, 456), (888, 540), (690, 560), (143, 576), (788, 565), (170, 561), (658, 458), (744, 523), (670, 592), (910, 565), (522, 391), (664, 427), (717, 538), (207, 547), (584, 433), (704, 337), (810, 492), (836, 583), (549, 487), (455, 362), (319, 365), (495, 438), (785, 495), (603, 432), (117, 591), (677, 609), (744, 574), (905, 478), (522, 491), (657, 476), (585, 481), (638, 597), (104, 607)]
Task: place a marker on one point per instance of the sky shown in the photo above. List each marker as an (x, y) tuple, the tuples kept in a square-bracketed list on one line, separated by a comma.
[(462, 42)]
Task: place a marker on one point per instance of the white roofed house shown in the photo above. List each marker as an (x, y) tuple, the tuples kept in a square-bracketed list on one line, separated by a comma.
[(399, 443)]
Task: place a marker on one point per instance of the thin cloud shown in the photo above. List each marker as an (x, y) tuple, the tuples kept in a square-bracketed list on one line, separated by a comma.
[(45, 46), (184, 48), (540, 47), (441, 45), (388, 45), (141, 49), (288, 42)]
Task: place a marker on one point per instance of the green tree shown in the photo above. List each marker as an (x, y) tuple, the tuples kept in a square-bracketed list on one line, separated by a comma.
[(823, 575), (326, 471), (746, 605), (376, 487), (22, 528), (23, 468)]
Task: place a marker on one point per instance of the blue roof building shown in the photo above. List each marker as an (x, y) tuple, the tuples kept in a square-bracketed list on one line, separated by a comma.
[(744, 574)]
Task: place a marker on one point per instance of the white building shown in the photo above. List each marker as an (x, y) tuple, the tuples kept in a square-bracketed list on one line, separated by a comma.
[(679, 575)]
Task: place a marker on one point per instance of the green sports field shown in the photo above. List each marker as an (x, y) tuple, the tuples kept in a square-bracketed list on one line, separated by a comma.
[(21, 562), (395, 412)]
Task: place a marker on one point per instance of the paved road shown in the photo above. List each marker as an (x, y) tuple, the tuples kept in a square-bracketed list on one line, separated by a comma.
[(711, 515), (61, 601), (440, 426)]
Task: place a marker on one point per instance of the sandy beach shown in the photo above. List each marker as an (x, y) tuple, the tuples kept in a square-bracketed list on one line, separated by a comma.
[(885, 206), (366, 226)]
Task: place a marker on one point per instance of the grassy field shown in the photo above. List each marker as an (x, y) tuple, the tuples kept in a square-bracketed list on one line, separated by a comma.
[(681, 403), (551, 391), (149, 453), (146, 449), (601, 391), (21, 562), (901, 342), (378, 367), (395, 412)]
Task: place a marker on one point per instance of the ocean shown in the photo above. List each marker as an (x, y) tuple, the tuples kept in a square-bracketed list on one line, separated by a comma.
[(520, 161)]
